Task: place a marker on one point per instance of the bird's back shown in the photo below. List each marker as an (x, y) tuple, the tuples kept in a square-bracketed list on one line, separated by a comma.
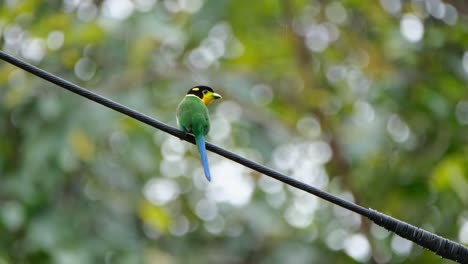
[(192, 116)]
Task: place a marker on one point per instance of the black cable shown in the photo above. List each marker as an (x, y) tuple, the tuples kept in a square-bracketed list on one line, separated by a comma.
[(439, 245)]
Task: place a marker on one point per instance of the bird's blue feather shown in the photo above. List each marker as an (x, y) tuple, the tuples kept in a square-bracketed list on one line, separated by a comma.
[(200, 140)]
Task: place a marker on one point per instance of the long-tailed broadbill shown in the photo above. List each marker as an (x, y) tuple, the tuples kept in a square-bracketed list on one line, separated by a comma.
[(193, 117)]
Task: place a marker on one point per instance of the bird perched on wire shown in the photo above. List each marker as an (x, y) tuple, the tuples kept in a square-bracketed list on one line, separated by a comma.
[(192, 117)]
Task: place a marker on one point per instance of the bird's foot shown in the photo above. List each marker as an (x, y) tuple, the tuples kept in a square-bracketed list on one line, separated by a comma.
[(185, 135)]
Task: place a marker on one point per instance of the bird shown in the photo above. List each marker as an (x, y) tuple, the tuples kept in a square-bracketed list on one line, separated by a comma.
[(192, 117)]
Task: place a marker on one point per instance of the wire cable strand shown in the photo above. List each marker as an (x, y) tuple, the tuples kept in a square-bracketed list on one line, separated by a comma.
[(443, 247)]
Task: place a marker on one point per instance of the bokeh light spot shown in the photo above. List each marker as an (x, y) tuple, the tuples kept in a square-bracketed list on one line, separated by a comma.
[(262, 94), (451, 15), (412, 28), (398, 129), (85, 69), (13, 34), (33, 49), (189, 6), (309, 127), (206, 209), (215, 226), (161, 191), (173, 149), (319, 152), (357, 246), (379, 232), (465, 62), (230, 110), (463, 233), (461, 112), (297, 218), (118, 9), (87, 11), (55, 40), (144, 5), (363, 113), (12, 215), (436, 8), (336, 13), (222, 127), (335, 239), (180, 226), (391, 6), (230, 184), (401, 246), (317, 38), (336, 73)]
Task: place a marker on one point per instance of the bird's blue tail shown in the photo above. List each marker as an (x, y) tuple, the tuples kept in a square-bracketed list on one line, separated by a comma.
[(200, 140)]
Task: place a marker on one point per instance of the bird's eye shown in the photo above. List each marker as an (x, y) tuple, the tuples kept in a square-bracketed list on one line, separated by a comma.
[(205, 91)]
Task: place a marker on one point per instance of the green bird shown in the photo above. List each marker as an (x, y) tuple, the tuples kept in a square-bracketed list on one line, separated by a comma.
[(192, 117)]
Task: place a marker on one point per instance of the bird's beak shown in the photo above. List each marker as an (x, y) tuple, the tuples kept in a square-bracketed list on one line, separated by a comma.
[(217, 96)]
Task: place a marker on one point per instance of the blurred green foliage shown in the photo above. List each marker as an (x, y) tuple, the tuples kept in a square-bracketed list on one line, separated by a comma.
[(367, 101)]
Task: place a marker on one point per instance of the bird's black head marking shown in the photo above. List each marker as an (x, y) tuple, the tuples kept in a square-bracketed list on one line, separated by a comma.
[(200, 91)]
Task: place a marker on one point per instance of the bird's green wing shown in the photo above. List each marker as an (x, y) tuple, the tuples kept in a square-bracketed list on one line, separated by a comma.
[(192, 116)]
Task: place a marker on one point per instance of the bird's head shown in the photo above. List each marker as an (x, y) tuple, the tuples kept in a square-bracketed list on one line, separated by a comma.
[(205, 93)]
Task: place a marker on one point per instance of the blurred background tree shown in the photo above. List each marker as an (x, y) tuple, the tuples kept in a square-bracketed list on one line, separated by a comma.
[(367, 101)]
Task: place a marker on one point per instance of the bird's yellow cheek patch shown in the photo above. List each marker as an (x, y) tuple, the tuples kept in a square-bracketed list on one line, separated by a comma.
[(208, 98)]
